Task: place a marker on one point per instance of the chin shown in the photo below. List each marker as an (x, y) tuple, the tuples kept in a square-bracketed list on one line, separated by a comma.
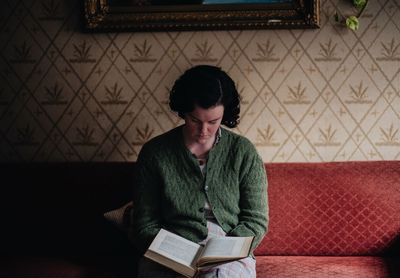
[(202, 140)]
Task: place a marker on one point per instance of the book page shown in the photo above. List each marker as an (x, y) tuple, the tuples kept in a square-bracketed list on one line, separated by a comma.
[(227, 248), (176, 248)]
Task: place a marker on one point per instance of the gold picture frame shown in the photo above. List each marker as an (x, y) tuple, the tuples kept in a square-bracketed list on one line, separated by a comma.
[(120, 15)]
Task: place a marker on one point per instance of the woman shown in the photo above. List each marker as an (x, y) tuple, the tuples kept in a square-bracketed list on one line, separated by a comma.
[(200, 180)]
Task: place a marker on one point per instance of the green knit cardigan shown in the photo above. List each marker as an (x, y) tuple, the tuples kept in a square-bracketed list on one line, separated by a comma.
[(170, 190)]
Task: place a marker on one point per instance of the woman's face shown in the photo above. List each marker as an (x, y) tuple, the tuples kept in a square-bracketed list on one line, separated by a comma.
[(201, 124)]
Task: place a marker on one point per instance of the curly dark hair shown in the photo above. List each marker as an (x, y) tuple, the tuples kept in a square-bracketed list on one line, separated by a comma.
[(206, 86)]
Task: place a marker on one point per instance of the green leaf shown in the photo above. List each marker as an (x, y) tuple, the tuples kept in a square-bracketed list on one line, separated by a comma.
[(359, 4), (336, 16), (352, 23)]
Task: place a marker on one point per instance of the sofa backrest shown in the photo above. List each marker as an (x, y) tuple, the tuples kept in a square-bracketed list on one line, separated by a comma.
[(337, 208), (92, 187), (341, 208), (57, 205)]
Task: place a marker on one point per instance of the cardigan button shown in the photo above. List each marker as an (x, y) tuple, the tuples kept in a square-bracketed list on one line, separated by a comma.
[(206, 188)]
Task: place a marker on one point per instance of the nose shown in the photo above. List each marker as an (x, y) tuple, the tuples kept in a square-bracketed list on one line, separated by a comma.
[(203, 127)]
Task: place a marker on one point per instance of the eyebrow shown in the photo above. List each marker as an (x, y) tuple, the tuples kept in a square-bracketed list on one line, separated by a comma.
[(207, 121)]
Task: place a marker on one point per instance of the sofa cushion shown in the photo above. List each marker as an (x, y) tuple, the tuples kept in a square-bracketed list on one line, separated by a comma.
[(341, 208), (326, 266), (121, 217), (49, 267), (91, 249)]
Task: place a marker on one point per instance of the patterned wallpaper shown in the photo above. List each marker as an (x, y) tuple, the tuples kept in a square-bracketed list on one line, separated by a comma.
[(326, 94)]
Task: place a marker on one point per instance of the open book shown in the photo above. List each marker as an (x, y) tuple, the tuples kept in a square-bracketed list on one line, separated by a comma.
[(187, 257)]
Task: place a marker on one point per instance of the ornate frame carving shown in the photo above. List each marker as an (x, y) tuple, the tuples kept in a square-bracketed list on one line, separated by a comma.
[(99, 15)]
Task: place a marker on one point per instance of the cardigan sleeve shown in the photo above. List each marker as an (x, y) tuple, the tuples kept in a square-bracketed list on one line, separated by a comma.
[(253, 217), (146, 221)]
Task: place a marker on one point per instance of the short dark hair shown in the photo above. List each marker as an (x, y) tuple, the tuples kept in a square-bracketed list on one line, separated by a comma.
[(206, 86)]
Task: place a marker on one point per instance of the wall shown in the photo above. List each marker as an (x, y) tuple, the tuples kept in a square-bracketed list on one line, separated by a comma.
[(308, 95)]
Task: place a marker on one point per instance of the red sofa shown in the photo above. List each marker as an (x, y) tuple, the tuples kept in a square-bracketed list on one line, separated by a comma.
[(337, 219), (332, 220)]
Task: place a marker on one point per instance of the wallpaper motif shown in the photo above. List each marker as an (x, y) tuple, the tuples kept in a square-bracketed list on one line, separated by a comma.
[(307, 95)]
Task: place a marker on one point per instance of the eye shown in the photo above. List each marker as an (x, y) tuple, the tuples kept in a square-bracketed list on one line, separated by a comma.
[(194, 120)]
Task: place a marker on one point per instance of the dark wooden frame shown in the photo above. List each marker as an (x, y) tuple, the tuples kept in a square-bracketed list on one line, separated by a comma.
[(100, 16)]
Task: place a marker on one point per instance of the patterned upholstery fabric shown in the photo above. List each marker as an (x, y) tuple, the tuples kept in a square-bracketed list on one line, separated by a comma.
[(341, 208), (324, 267)]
